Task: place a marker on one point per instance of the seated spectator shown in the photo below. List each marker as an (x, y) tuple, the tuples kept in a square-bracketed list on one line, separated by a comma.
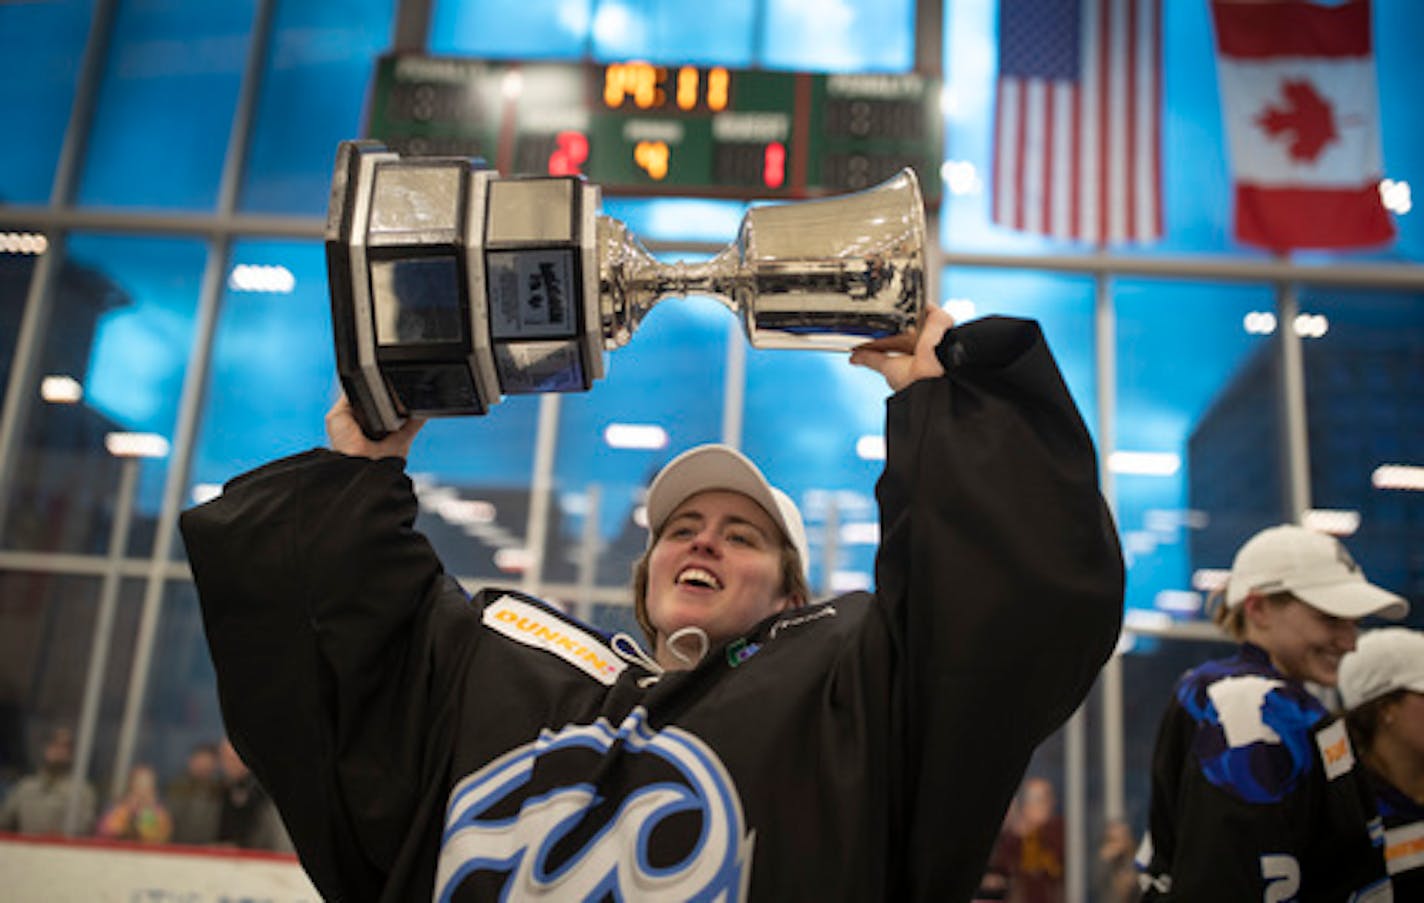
[(248, 818), (39, 802), (195, 797), (138, 815)]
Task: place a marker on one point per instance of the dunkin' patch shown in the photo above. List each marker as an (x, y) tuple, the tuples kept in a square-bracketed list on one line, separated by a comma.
[(533, 626)]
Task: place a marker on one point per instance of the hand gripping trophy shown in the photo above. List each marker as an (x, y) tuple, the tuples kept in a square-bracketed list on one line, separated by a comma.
[(452, 286)]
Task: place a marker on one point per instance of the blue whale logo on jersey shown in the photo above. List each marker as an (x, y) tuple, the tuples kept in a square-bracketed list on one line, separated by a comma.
[(510, 826)]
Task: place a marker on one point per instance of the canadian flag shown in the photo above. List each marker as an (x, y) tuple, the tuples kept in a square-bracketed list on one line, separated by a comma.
[(1302, 119)]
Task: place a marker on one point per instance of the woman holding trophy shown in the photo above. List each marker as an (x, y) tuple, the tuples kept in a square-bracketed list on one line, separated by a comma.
[(422, 743)]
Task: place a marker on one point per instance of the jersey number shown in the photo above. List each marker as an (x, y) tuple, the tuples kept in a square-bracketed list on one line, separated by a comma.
[(1282, 874)]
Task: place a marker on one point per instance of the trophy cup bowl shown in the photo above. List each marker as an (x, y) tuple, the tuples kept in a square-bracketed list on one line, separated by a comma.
[(452, 286)]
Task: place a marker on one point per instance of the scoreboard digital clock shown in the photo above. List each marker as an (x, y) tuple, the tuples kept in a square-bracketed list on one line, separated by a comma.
[(637, 128)]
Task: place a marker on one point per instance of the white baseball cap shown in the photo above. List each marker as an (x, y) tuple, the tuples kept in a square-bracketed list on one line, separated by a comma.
[(1384, 660), (709, 467), (1313, 567)]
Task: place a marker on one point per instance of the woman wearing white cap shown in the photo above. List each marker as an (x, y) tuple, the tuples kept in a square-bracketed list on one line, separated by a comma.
[(1382, 687), (1254, 794), (424, 744)]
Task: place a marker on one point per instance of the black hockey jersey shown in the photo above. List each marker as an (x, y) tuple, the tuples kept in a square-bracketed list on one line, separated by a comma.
[(1403, 838), (1257, 795), (423, 744)]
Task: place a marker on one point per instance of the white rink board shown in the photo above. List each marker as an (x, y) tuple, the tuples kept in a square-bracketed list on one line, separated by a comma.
[(58, 871)]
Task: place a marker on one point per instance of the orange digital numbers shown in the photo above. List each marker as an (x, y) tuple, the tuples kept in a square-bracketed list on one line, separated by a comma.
[(652, 158), (719, 83), (687, 87), (646, 86), (640, 81)]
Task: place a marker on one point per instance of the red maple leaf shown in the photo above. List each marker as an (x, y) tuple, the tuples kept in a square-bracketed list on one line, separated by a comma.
[(1305, 117)]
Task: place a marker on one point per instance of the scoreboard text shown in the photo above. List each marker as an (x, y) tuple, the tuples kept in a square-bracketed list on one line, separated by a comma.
[(641, 128)]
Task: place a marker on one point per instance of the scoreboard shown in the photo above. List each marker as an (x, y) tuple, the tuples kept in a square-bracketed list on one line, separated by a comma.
[(638, 128)]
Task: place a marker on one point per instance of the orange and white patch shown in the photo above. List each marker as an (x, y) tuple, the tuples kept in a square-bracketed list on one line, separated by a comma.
[(1335, 750), (1404, 848)]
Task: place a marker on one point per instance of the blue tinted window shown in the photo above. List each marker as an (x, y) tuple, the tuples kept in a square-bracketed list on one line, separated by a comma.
[(674, 219), (839, 35), (121, 328), (41, 45), (663, 31), (273, 372), (1213, 472), (166, 104), (314, 90), (528, 29), (1397, 28), (1364, 374), (805, 414)]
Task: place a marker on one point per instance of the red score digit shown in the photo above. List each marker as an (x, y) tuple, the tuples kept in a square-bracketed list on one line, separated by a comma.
[(570, 153), (773, 167)]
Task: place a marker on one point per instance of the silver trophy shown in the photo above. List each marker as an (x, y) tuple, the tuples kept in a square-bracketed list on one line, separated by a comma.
[(452, 286)]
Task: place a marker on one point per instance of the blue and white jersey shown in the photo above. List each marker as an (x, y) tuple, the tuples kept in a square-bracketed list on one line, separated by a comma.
[(1256, 794)]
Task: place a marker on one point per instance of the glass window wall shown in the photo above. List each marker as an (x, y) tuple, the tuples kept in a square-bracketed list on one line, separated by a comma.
[(170, 83), (41, 45)]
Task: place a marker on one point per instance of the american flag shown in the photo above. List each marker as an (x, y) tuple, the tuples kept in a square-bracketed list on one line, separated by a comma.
[(1077, 150)]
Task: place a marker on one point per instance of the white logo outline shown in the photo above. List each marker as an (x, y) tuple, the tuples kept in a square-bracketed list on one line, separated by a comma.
[(614, 861)]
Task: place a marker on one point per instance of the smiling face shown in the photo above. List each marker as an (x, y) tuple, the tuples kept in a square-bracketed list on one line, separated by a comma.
[(1304, 643), (717, 565)]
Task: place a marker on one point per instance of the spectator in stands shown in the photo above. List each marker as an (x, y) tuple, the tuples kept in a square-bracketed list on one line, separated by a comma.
[(195, 797), (248, 818), (39, 802), (138, 815), (1114, 874), (1033, 854)]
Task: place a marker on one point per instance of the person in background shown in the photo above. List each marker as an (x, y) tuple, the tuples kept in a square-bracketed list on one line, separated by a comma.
[(39, 802), (1033, 851), (138, 815), (1382, 687), (1253, 796), (195, 797), (1114, 873), (247, 818)]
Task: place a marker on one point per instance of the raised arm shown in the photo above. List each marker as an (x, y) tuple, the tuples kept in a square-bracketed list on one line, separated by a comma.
[(1000, 573), (317, 596)]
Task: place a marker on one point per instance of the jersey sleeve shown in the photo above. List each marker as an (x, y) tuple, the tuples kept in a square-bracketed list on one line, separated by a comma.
[(1002, 580), (317, 598)]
